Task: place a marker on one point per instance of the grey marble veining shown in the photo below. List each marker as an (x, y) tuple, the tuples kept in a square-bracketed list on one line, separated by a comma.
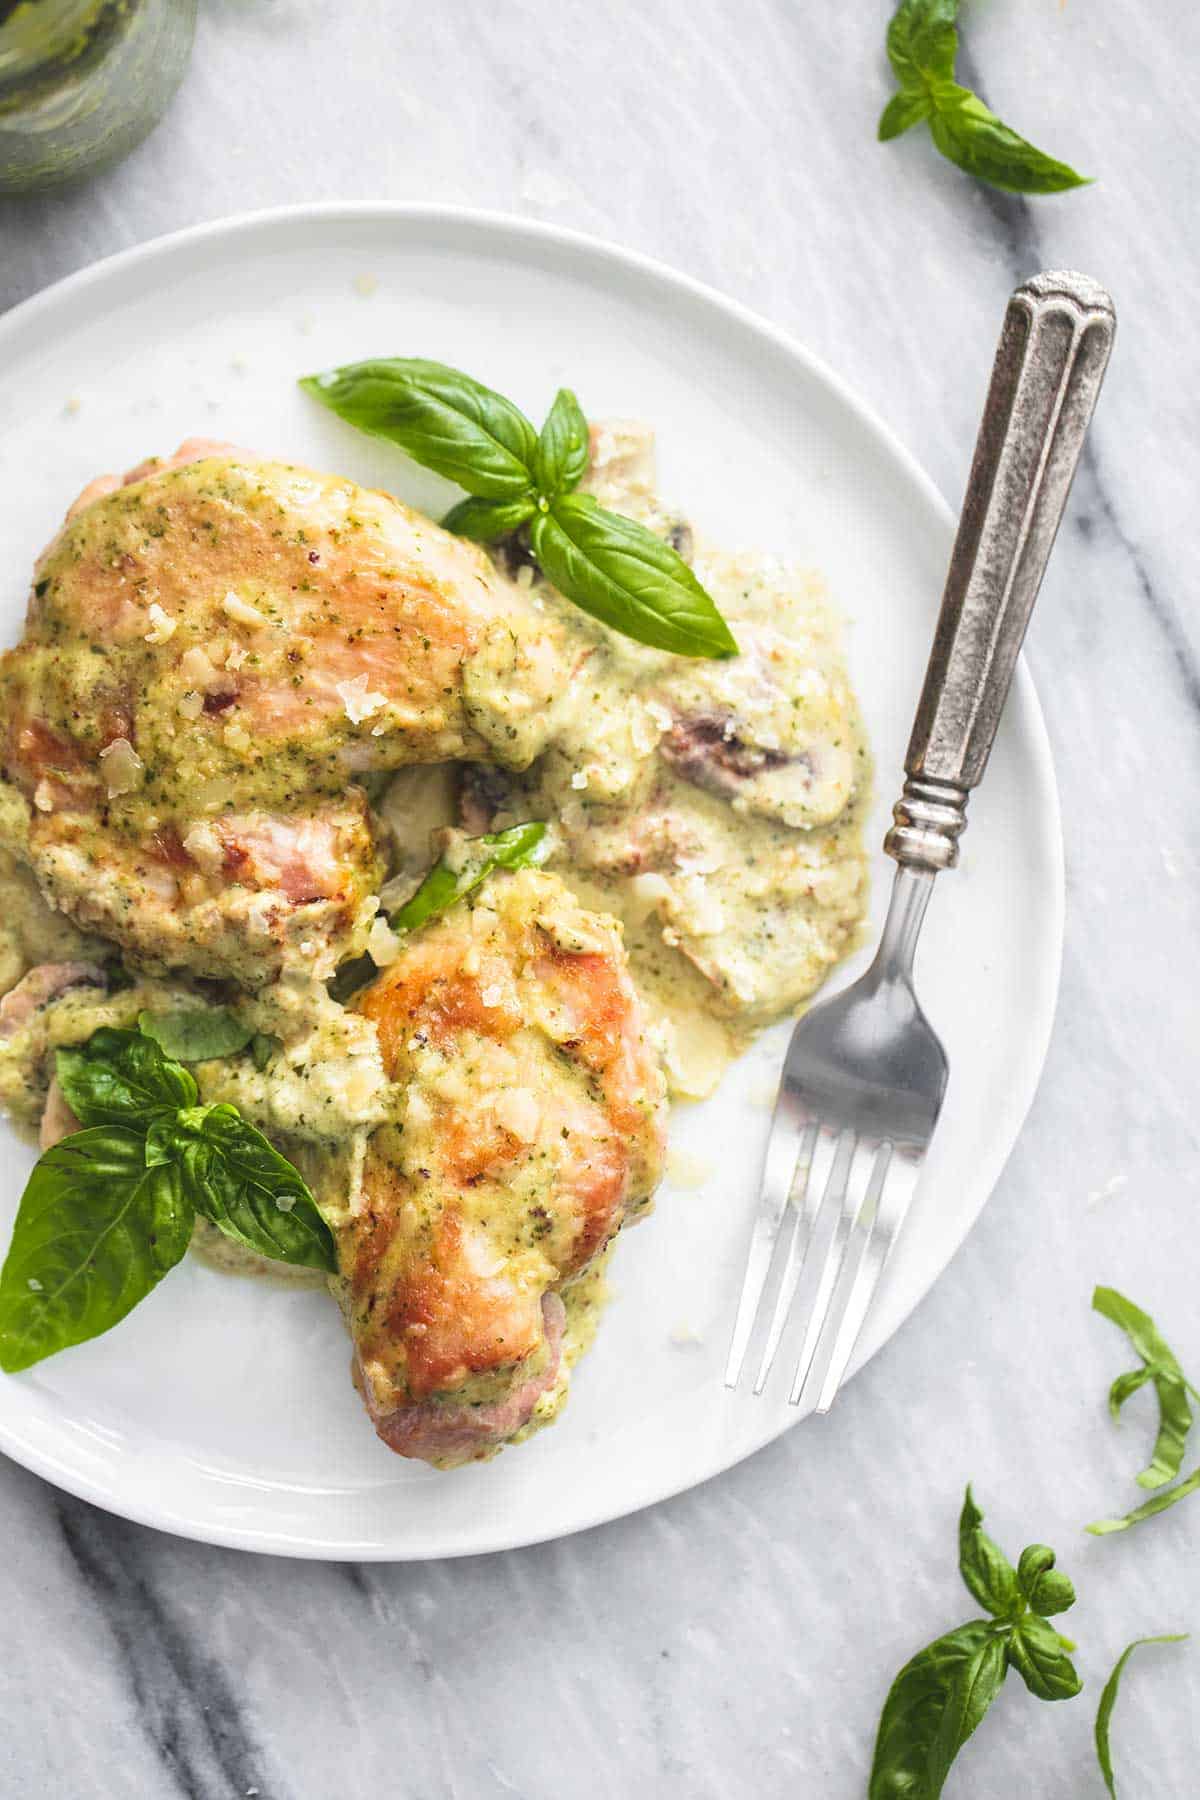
[(739, 1640)]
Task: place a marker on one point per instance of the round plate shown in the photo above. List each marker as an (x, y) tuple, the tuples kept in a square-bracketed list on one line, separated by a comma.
[(222, 1409)]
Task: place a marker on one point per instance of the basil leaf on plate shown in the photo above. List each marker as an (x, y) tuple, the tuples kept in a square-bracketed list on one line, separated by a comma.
[(1108, 1700), (620, 573), (989, 1575), (484, 521), (95, 1232), (441, 417), (1046, 1588), (1160, 1502), (563, 447), (1038, 1654), (122, 1078), (935, 1703), (236, 1178), (196, 1033), (922, 46), (1159, 1365), (609, 566)]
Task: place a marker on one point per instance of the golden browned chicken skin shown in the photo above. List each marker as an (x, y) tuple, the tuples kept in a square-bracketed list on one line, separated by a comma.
[(531, 1127), (213, 651)]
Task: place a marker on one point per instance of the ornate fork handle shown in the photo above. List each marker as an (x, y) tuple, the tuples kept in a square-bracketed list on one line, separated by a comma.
[(1054, 348)]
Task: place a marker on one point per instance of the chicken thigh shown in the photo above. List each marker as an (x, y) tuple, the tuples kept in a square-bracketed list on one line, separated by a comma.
[(531, 1126), (214, 651)]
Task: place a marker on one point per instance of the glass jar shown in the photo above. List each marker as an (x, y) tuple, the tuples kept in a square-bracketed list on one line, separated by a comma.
[(83, 81)]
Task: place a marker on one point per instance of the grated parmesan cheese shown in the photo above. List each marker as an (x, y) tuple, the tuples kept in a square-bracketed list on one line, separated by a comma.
[(122, 767), (162, 625), (383, 946), (234, 607), (359, 704)]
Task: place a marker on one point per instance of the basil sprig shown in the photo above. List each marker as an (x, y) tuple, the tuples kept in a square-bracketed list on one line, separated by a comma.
[(1160, 1366), (1108, 1700), (939, 1697), (109, 1210), (520, 847), (922, 46), (516, 478)]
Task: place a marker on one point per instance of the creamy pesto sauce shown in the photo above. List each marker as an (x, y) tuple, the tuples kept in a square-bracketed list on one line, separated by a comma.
[(715, 808)]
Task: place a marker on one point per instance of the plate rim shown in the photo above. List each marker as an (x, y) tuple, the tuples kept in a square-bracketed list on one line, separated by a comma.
[(484, 222)]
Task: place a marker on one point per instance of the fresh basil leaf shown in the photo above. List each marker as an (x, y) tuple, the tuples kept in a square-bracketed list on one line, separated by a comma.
[(1037, 1653), (122, 1078), (263, 1046), (935, 1703), (1161, 1366), (922, 41), (922, 45), (95, 1232), (620, 573), (563, 447), (250, 1192), (196, 1033), (1165, 1498), (970, 135), (1046, 1588), (441, 417), (984, 1567), (1108, 1700), (484, 521), (520, 847), (901, 112), (517, 848)]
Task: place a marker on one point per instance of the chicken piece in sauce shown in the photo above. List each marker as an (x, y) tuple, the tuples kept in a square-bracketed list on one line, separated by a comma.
[(214, 651), (531, 1128)]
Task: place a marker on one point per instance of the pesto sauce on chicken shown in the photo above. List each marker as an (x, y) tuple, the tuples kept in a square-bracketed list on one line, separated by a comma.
[(250, 706)]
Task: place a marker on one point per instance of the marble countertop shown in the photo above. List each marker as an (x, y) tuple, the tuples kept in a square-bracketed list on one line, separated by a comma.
[(740, 1639)]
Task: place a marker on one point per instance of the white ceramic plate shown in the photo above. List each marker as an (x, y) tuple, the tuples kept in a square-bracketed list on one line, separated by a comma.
[(222, 1409)]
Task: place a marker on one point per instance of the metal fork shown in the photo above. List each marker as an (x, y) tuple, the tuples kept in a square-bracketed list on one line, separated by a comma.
[(865, 1074)]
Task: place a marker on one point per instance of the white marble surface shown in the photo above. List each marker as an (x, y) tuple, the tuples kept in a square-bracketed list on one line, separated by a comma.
[(740, 1640)]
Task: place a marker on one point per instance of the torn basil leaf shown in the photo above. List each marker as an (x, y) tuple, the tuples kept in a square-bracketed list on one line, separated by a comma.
[(1108, 1700), (1171, 1386), (520, 847), (1161, 1502)]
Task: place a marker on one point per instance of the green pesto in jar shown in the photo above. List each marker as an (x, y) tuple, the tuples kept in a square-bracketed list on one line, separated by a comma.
[(83, 81)]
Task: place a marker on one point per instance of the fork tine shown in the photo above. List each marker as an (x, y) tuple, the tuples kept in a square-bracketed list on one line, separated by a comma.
[(891, 1196), (854, 1187), (787, 1147), (819, 1178)]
